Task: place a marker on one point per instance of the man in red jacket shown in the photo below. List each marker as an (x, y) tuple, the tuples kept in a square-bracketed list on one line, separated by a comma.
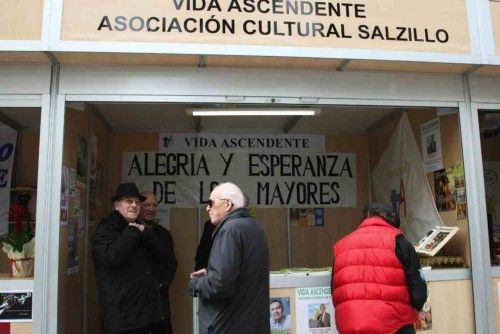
[(376, 282)]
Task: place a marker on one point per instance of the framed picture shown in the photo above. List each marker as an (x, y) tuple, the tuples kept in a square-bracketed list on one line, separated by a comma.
[(435, 240)]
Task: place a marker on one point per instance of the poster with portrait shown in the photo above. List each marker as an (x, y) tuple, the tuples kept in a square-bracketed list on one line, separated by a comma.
[(432, 156), (280, 318), (444, 187), (314, 310)]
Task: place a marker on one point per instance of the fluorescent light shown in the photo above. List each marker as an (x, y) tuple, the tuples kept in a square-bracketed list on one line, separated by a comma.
[(254, 112)]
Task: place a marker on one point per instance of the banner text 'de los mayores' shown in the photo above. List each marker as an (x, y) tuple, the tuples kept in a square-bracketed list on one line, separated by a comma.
[(186, 179)]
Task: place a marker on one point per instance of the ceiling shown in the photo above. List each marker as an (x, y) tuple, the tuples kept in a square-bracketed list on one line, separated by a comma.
[(164, 117), (110, 58), (173, 118), (27, 118)]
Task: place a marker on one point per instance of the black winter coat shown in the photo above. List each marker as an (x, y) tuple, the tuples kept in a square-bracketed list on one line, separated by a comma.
[(124, 260), (165, 270)]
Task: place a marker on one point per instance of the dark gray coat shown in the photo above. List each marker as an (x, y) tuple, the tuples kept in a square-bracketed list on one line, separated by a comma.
[(234, 296)]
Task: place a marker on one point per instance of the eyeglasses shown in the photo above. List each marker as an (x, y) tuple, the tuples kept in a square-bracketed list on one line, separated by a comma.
[(129, 201), (211, 202)]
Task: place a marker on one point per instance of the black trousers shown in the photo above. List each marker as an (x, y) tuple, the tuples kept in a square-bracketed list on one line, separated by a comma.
[(162, 327), (406, 330), (144, 330)]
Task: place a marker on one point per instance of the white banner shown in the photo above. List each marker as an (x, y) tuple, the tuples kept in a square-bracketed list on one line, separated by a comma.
[(399, 178), (269, 180), (188, 142), (431, 145), (8, 137)]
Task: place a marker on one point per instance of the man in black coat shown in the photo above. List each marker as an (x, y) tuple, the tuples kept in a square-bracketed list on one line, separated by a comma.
[(165, 270), (125, 253), (233, 289)]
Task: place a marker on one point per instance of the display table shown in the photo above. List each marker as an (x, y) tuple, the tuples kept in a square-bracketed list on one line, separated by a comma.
[(450, 298), (302, 295)]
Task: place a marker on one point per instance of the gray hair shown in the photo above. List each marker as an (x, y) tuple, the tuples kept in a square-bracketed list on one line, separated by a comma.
[(232, 192)]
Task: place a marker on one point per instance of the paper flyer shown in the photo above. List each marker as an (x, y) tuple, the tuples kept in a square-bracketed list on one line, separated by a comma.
[(15, 306), (65, 189), (432, 156), (444, 186), (280, 319), (314, 311), (307, 217)]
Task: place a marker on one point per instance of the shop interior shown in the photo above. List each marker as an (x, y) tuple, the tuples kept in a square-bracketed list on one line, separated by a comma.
[(19, 142), (97, 135), (489, 123), (113, 129)]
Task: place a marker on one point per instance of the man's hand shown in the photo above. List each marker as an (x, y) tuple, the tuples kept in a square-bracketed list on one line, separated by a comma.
[(199, 273), (139, 226)]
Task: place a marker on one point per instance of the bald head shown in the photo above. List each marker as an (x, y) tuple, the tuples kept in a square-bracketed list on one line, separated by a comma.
[(232, 192), (224, 199)]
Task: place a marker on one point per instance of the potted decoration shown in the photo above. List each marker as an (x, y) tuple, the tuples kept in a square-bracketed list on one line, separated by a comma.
[(19, 244)]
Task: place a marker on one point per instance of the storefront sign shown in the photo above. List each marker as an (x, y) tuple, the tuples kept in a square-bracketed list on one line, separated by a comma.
[(425, 26), (21, 20), (495, 21), (8, 138), (185, 179)]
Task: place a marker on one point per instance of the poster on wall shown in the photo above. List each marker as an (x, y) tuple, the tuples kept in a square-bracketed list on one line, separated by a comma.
[(280, 319), (314, 310), (399, 178), (444, 187), (460, 197), (307, 217), (15, 306), (93, 156), (72, 265), (65, 190), (492, 189), (269, 178), (72, 182), (8, 138), (81, 162), (432, 156)]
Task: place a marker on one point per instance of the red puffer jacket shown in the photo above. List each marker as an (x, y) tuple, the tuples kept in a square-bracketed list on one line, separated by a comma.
[(370, 291)]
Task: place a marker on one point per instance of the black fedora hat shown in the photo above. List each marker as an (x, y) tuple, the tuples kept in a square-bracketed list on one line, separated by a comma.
[(127, 190)]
